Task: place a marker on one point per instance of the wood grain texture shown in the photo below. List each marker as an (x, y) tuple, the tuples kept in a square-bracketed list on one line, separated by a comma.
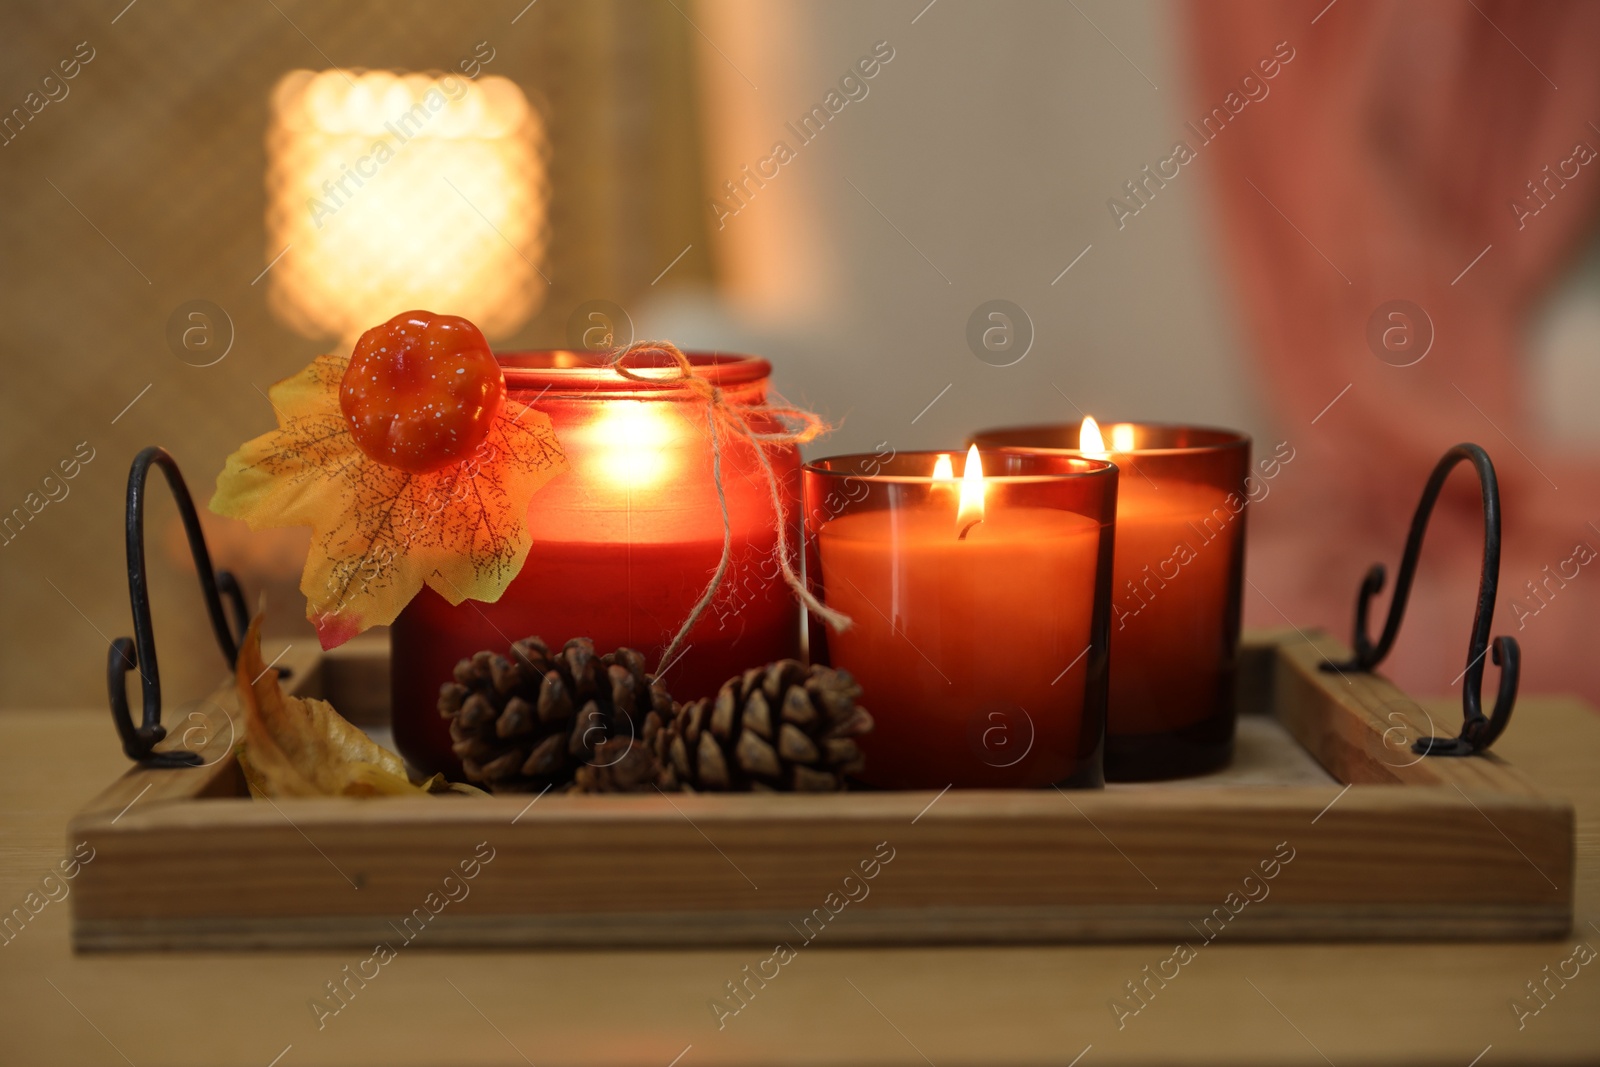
[(1460, 847), (1442, 1002)]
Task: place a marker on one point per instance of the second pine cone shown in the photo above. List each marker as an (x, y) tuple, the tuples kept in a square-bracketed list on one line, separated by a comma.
[(780, 728)]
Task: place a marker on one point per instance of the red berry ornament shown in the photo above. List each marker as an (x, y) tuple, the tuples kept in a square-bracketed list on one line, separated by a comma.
[(421, 391)]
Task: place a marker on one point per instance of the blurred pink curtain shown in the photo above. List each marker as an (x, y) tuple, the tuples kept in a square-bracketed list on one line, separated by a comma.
[(1386, 163)]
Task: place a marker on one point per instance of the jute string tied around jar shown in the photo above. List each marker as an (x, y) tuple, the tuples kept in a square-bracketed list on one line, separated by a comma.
[(725, 419)]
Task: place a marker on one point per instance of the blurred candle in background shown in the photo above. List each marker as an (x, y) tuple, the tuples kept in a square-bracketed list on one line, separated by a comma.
[(1176, 589), (391, 191)]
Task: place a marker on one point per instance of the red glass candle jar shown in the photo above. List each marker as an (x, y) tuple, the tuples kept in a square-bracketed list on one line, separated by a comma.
[(980, 647), (1176, 587), (624, 541)]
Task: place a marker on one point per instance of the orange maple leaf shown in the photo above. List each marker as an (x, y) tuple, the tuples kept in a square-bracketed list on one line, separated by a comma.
[(380, 533)]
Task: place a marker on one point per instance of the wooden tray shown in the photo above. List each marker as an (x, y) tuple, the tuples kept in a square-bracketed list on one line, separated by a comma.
[(1325, 827)]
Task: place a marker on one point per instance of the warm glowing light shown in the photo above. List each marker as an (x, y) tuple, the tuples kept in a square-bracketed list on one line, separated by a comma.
[(1090, 443), (629, 442), (943, 469), (388, 192), (1122, 437), (970, 510)]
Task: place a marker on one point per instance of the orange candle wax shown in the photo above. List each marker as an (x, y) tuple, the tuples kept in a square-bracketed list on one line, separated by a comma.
[(1169, 590), (1178, 572), (973, 653)]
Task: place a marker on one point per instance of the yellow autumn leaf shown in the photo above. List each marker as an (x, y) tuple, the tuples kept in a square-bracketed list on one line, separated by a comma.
[(295, 747), (380, 533)]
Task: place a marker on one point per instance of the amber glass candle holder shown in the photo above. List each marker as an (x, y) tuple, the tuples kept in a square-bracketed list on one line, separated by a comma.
[(624, 540), (1176, 590), (980, 644)]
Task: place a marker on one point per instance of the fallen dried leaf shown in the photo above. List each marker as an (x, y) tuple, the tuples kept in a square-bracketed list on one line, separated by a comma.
[(298, 747)]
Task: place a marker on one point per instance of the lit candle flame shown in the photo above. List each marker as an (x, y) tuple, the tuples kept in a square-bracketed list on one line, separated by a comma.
[(943, 469), (1090, 443), (629, 442), (1122, 437), (970, 511)]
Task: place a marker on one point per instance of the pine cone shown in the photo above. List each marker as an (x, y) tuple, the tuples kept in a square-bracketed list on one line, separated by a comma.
[(784, 727), (626, 765), (530, 721)]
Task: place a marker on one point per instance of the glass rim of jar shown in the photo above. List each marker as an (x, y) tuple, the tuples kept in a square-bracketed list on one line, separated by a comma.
[(1219, 439), (1083, 467), (565, 367)]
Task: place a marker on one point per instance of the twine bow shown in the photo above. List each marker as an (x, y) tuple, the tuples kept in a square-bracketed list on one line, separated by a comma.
[(724, 418)]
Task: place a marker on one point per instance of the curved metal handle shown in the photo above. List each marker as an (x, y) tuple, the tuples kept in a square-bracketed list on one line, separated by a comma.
[(140, 652), (1478, 731)]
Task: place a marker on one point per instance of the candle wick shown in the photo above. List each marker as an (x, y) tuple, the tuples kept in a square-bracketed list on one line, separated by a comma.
[(962, 536)]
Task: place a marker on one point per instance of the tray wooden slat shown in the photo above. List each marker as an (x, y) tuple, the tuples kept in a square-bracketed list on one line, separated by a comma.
[(1430, 848)]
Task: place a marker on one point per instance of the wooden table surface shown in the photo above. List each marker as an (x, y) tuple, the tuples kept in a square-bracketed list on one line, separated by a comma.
[(1438, 1003)]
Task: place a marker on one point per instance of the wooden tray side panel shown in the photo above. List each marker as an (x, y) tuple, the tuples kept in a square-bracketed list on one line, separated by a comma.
[(1345, 872), (1361, 726), (185, 860)]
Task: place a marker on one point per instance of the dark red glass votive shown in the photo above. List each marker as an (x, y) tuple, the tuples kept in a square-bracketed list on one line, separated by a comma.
[(979, 630), (1176, 590)]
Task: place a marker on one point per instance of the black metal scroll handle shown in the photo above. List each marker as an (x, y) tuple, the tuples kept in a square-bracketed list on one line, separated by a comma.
[(1478, 731), (139, 742)]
